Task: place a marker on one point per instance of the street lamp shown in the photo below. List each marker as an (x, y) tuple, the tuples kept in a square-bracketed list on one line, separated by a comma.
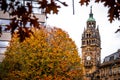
[(73, 7)]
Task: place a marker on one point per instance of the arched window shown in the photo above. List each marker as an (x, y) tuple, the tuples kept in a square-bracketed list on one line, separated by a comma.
[(83, 42), (89, 35), (89, 23), (87, 42), (90, 41)]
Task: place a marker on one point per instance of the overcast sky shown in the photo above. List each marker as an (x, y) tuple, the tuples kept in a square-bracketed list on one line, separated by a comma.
[(74, 25)]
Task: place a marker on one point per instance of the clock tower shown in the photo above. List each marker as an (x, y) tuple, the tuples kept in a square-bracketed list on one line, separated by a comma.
[(91, 47)]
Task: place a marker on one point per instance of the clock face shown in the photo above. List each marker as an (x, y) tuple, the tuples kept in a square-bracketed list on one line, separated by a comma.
[(88, 58)]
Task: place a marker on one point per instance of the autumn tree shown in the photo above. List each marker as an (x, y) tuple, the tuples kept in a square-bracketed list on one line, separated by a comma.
[(48, 54)]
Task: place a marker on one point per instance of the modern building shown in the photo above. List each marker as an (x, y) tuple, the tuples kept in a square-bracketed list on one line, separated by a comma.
[(5, 19), (4, 42), (91, 55)]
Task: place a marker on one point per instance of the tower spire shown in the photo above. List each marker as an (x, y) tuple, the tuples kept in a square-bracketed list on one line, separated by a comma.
[(91, 10), (91, 14)]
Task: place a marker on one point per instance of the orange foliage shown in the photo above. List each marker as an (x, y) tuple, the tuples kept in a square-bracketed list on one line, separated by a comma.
[(49, 54)]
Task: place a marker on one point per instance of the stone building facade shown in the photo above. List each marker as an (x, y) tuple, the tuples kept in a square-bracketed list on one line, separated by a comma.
[(109, 69), (91, 48), (91, 55)]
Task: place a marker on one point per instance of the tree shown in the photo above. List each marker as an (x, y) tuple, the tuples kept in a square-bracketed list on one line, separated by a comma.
[(48, 54), (22, 15)]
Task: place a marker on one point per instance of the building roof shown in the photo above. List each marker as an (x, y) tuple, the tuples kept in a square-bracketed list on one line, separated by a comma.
[(91, 19), (91, 16), (111, 59), (113, 56)]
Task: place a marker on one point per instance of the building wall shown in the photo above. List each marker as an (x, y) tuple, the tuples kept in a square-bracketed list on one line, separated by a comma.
[(109, 69), (4, 42), (5, 20)]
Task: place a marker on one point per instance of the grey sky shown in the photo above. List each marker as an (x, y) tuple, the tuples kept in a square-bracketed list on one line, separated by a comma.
[(74, 25)]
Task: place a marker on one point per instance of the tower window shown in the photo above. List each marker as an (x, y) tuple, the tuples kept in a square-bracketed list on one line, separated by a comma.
[(87, 35), (92, 23), (87, 42), (83, 42), (93, 41), (89, 23), (90, 41)]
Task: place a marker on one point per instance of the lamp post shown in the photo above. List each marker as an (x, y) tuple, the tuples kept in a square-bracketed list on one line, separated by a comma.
[(73, 7)]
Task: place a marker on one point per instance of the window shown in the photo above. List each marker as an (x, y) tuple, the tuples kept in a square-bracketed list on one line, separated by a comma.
[(87, 42), (115, 56), (36, 10), (35, 4), (2, 50), (93, 41), (83, 42), (87, 35), (110, 71), (106, 59), (4, 43), (4, 23), (111, 58), (114, 70), (94, 35), (89, 23), (25, 2)]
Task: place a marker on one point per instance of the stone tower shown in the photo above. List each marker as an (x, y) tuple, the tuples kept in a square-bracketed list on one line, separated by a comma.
[(91, 47)]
